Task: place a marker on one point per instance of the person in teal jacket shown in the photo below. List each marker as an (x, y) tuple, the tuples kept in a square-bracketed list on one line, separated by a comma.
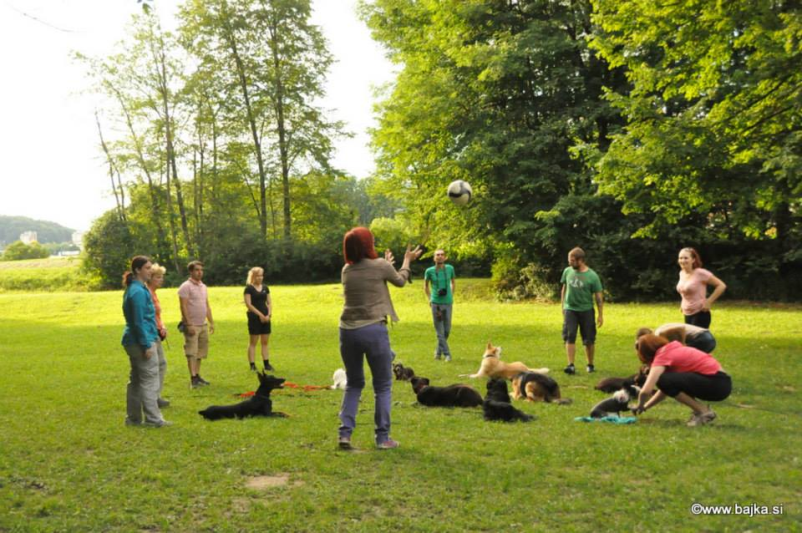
[(139, 341)]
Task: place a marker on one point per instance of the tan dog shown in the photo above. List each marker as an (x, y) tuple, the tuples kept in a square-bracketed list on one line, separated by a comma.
[(493, 367)]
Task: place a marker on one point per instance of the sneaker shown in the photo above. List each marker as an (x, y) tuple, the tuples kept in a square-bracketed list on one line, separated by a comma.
[(448, 359), (202, 381), (702, 419), (570, 370), (160, 424), (437, 356), (389, 444), (162, 403), (194, 383), (591, 369), (345, 443), (253, 367), (269, 367), (132, 423)]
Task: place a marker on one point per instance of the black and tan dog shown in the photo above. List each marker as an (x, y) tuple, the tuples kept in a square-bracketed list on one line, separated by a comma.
[(536, 387), (616, 384), (497, 404), (451, 396), (259, 404), (403, 373)]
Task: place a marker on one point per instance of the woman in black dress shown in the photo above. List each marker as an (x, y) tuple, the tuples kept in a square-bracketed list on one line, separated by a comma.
[(260, 311)]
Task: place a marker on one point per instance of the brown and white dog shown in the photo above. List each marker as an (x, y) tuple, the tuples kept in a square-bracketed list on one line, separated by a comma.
[(493, 367)]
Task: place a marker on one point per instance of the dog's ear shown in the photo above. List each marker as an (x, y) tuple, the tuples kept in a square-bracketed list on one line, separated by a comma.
[(489, 346)]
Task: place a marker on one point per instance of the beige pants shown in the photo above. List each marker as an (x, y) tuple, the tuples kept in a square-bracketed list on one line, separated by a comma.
[(197, 344)]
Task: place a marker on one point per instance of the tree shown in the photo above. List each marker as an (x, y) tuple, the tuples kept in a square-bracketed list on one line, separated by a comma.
[(18, 250)]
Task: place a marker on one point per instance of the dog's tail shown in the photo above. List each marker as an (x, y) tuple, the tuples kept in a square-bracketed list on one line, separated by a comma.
[(539, 370)]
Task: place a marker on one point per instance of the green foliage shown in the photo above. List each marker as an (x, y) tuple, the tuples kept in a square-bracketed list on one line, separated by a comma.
[(108, 248), (74, 466), (18, 250), (45, 275)]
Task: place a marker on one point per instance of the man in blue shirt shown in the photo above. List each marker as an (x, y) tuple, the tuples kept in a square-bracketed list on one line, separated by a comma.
[(441, 298), (139, 341)]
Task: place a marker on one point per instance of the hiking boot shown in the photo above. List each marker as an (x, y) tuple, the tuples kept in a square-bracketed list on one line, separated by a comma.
[(202, 381), (345, 443), (389, 444), (702, 419), (591, 369), (162, 403), (570, 370)]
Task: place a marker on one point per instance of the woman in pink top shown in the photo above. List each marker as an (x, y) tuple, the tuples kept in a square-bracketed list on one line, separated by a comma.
[(692, 286), (683, 373)]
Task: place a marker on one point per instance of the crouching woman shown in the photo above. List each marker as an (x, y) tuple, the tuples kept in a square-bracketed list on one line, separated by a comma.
[(683, 373)]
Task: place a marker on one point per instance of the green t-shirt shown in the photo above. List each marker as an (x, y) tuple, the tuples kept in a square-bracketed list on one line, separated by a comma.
[(440, 279), (580, 288)]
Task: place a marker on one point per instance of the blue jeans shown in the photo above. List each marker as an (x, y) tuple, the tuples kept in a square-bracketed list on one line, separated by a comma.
[(373, 343), (442, 326)]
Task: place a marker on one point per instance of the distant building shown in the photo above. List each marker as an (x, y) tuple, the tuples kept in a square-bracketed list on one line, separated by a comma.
[(28, 237), (78, 239)]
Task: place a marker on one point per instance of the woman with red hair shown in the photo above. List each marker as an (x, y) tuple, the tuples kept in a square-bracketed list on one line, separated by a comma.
[(692, 287), (363, 330), (683, 373)]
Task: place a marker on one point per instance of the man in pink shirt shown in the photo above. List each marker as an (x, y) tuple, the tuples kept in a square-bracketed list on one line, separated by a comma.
[(195, 312)]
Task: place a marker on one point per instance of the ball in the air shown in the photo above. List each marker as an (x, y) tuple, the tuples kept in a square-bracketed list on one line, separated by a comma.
[(460, 192)]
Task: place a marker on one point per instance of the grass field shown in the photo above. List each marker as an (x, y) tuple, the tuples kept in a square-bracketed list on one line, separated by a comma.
[(68, 463), (52, 273)]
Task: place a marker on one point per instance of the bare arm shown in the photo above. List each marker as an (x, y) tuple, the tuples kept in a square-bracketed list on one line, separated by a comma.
[(251, 308), (600, 305), (183, 302), (562, 297), (646, 392), (427, 290), (209, 316), (718, 290)]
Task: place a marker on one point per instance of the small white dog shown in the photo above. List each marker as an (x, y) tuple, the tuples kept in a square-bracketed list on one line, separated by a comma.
[(339, 378)]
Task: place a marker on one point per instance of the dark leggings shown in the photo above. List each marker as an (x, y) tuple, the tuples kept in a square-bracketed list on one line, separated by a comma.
[(701, 319), (708, 388)]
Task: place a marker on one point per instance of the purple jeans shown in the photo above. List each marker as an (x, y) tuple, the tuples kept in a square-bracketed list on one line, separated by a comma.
[(372, 342)]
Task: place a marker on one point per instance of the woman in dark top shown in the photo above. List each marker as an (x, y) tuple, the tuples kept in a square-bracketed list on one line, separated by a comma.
[(260, 311)]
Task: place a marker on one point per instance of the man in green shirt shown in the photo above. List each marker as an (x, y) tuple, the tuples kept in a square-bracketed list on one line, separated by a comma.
[(580, 286), (441, 298)]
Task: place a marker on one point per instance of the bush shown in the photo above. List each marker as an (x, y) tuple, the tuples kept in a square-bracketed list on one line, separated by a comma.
[(18, 250)]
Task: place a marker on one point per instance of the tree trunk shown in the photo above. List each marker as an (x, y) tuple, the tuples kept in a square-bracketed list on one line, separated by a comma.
[(114, 187)]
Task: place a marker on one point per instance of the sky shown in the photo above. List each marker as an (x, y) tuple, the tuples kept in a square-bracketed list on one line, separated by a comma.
[(51, 164)]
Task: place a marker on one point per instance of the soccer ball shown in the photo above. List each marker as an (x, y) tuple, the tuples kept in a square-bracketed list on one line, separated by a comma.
[(460, 192)]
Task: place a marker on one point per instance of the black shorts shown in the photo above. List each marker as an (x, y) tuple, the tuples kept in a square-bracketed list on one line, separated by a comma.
[(708, 388), (256, 326), (585, 321), (701, 319)]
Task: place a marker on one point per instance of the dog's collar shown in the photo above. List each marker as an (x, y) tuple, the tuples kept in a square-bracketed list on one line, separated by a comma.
[(487, 356)]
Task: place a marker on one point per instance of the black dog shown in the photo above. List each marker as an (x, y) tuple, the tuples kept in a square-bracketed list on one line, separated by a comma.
[(259, 404), (402, 372), (451, 396), (617, 403), (616, 384), (497, 405)]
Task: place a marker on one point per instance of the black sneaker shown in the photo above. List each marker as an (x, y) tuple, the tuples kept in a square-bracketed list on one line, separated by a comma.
[(194, 383), (570, 370), (202, 381), (269, 367), (591, 369), (253, 367)]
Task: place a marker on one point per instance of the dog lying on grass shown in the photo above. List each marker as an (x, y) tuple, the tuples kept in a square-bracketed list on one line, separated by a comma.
[(451, 396), (497, 405), (493, 367), (535, 387), (616, 384), (259, 404), (402, 373), (617, 403)]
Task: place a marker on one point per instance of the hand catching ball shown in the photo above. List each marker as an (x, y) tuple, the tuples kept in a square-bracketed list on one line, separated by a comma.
[(460, 192)]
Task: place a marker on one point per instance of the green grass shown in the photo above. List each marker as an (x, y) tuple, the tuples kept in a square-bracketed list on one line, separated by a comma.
[(67, 462), (51, 274)]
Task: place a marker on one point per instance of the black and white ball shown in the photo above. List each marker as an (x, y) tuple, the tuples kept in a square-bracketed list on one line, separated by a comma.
[(460, 192)]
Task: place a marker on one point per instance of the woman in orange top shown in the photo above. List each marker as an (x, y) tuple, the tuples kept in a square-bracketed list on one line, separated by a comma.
[(156, 281)]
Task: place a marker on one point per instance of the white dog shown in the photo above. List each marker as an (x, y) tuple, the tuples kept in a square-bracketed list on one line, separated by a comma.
[(339, 378)]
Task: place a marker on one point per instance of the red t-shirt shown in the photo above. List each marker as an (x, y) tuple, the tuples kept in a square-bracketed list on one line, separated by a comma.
[(678, 358)]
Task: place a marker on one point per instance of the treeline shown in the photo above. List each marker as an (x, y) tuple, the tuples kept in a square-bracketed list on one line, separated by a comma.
[(629, 128), (216, 150)]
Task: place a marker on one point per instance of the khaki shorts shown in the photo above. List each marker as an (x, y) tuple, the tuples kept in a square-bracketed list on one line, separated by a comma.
[(197, 345)]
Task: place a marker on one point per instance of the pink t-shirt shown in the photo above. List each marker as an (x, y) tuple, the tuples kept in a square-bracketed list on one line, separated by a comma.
[(693, 290), (195, 294), (678, 358)]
